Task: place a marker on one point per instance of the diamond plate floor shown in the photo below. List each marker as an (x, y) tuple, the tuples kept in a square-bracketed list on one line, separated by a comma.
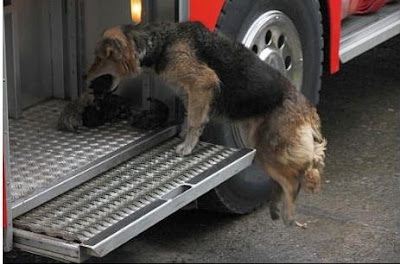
[(98, 204), (40, 154)]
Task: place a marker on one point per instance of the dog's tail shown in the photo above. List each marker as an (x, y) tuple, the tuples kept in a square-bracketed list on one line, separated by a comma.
[(312, 175)]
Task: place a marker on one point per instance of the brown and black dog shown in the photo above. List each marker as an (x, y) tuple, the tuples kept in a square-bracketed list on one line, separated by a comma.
[(215, 76)]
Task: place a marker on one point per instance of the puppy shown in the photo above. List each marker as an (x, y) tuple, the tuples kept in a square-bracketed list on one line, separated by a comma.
[(217, 77)]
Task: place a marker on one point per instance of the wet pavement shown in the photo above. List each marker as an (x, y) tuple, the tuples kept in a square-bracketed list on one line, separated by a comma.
[(356, 217)]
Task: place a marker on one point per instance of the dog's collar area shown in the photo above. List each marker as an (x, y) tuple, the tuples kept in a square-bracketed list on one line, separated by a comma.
[(146, 56)]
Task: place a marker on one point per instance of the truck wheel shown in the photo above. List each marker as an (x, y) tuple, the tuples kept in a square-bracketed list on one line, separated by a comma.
[(286, 34)]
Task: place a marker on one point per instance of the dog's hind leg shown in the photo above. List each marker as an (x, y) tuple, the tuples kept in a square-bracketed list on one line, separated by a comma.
[(297, 161), (276, 195), (289, 183)]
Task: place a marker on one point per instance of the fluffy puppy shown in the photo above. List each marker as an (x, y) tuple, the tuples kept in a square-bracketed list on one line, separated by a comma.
[(217, 77)]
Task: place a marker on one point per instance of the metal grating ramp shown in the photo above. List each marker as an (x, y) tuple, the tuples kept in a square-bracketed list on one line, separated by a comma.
[(112, 208), (46, 162)]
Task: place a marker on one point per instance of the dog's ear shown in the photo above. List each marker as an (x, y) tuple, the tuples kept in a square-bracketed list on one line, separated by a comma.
[(111, 49), (140, 40), (138, 36)]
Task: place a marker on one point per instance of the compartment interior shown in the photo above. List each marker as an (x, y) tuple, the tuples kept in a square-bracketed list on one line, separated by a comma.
[(49, 47)]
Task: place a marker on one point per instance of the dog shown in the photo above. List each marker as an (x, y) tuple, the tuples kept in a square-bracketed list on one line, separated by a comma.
[(218, 77)]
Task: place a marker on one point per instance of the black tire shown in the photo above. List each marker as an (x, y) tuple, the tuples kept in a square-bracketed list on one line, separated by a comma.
[(249, 189)]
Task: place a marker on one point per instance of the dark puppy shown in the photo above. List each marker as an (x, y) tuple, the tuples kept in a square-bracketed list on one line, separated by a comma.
[(155, 117), (218, 77), (106, 107)]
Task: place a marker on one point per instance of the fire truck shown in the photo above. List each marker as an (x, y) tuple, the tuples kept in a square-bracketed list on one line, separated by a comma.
[(71, 196)]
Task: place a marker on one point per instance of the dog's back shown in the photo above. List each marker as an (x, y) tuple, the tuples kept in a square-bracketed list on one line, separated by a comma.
[(248, 86)]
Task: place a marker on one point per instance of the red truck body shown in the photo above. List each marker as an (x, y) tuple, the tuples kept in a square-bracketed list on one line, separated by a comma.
[(208, 11)]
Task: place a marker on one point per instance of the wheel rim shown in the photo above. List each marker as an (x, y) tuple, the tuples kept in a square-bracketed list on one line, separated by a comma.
[(275, 39)]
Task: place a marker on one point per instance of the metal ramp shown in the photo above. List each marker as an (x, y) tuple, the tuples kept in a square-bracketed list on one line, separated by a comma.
[(46, 162), (112, 208), (77, 195)]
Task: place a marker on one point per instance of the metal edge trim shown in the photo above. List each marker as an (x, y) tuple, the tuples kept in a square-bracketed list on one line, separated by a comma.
[(352, 45), (11, 11), (204, 175), (124, 222), (91, 170), (100, 245), (184, 7), (47, 246), (44, 253), (7, 212)]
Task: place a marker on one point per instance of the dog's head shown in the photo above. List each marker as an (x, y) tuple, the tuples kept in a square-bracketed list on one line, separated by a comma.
[(118, 53)]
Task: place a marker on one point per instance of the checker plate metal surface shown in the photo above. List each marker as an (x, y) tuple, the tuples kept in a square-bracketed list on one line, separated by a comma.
[(40, 154), (90, 209)]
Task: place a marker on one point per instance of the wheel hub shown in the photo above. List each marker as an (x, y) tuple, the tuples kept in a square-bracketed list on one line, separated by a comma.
[(275, 39), (274, 58)]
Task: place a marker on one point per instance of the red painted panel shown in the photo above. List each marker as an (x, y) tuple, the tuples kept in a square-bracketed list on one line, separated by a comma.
[(335, 18), (206, 11)]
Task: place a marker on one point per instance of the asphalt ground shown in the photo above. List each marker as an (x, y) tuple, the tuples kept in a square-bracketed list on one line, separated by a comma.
[(356, 217)]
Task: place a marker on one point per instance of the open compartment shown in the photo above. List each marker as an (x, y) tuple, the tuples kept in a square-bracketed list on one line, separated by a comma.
[(75, 195), (49, 47)]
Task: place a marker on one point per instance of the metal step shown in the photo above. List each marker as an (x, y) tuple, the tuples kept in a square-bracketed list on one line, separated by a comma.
[(361, 33), (46, 162), (107, 211)]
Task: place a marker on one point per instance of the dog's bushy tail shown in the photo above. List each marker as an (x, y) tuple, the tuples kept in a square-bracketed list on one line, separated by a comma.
[(312, 175)]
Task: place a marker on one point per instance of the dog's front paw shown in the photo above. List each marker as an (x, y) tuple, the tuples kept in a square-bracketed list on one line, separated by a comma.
[(71, 118), (288, 219), (183, 133), (184, 149)]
